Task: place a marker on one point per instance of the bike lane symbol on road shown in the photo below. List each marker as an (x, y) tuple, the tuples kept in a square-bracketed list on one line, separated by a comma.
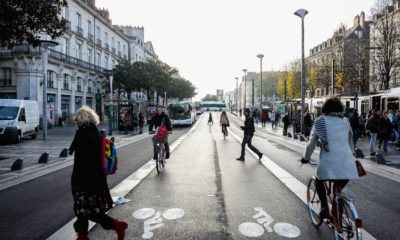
[(156, 221), (264, 220)]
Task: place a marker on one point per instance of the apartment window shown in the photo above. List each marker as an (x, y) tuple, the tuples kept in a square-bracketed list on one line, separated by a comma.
[(105, 37), (5, 77), (106, 62), (51, 75), (89, 27), (79, 85), (90, 55), (112, 63), (78, 51), (98, 59), (66, 13), (66, 46), (124, 49), (98, 32), (119, 46), (90, 86), (79, 18), (112, 42), (66, 81)]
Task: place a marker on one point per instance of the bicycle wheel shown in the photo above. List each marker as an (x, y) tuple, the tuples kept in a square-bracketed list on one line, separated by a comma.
[(159, 161), (351, 227), (313, 202)]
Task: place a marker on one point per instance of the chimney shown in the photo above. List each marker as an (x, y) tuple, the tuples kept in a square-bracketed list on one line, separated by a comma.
[(356, 21), (362, 20)]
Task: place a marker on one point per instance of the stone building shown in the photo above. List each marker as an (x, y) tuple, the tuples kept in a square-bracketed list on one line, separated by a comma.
[(349, 50)]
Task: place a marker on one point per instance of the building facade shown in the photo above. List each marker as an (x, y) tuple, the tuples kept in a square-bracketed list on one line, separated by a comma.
[(343, 59), (76, 67)]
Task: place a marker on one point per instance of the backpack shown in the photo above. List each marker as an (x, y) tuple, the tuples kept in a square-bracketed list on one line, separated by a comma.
[(109, 156), (161, 132)]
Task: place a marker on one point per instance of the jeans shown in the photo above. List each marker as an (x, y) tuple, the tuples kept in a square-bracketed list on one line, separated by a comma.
[(307, 131), (385, 141), (272, 123), (247, 140), (295, 128), (397, 136), (82, 223), (372, 143), (356, 132)]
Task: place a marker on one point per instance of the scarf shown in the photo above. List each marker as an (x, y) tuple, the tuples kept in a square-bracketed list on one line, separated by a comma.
[(320, 129)]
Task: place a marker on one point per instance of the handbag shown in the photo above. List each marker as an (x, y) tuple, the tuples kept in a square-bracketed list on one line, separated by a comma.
[(360, 169)]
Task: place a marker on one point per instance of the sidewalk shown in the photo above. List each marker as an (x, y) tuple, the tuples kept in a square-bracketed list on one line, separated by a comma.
[(30, 150), (392, 156)]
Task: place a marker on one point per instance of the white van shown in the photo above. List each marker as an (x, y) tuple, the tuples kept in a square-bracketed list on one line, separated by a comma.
[(18, 119)]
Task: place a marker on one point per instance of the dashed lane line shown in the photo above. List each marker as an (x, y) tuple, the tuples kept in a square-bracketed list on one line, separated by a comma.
[(67, 232), (290, 181)]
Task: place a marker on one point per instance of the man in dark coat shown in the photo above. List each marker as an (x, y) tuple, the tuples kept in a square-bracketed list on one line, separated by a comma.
[(354, 123), (249, 130), (286, 123), (161, 119), (385, 131), (373, 125)]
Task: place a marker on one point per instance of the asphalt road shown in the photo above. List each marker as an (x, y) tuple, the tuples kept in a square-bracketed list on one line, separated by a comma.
[(39, 207)]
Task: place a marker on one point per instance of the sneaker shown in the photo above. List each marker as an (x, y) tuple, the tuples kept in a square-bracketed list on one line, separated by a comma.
[(324, 213), (372, 154), (240, 159), (260, 156)]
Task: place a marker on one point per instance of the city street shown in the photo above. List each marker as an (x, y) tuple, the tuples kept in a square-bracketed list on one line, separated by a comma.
[(203, 193)]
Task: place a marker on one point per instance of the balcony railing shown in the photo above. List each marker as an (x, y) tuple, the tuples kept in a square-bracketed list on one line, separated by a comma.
[(106, 46), (79, 31), (90, 37), (113, 50), (5, 82), (98, 42), (68, 25)]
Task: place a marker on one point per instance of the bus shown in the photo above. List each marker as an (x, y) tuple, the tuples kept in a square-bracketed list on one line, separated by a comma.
[(213, 106), (182, 113)]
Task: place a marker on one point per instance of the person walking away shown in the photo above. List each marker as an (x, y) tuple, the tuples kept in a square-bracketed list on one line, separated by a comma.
[(240, 112), (336, 159), (307, 124), (210, 119), (361, 123), (161, 119), (385, 131), (135, 121), (224, 121), (263, 119), (286, 123), (373, 125), (354, 123), (141, 122), (88, 180), (296, 121), (273, 119), (395, 124), (277, 117), (249, 130)]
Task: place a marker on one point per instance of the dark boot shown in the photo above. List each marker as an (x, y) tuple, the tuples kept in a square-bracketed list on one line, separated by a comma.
[(240, 159), (82, 236), (120, 228)]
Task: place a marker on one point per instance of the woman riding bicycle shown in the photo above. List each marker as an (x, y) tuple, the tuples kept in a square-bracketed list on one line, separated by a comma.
[(224, 121), (336, 159)]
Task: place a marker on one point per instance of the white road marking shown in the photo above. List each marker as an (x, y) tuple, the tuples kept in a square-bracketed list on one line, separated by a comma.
[(290, 181), (250, 229), (173, 213), (143, 213), (287, 230), (67, 232)]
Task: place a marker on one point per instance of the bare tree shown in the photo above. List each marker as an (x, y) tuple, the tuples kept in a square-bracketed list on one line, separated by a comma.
[(385, 36)]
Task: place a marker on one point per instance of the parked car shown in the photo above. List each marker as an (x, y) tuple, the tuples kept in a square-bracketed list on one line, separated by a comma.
[(18, 119)]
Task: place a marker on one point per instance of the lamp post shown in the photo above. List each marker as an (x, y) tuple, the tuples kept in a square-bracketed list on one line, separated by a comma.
[(237, 94), (252, 93), (302, 13), (110, 121), (260, 56), (44, 44), (245, 89)]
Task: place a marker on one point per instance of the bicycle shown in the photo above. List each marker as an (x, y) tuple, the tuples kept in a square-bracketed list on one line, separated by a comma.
[(161, 154), (224, 131), (349, 226)]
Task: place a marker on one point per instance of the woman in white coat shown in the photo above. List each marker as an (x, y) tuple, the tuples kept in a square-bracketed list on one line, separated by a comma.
[(336, 160)]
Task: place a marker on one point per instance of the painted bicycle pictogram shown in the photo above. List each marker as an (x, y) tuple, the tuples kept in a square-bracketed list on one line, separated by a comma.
[(155, 219), (264, 220)]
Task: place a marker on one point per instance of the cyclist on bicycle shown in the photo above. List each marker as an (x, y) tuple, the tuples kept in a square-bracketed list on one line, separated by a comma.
[(157, 120), (224, 121), (336, 159)]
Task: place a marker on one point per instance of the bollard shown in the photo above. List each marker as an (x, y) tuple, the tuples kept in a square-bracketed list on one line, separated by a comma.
[(18, 164), (359, 153), (44, 158), (295, 136), (302, 138), (64, 153)]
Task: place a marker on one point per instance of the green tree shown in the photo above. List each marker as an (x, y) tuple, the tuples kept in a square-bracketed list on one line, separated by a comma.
[(209, 97), (22, 20)]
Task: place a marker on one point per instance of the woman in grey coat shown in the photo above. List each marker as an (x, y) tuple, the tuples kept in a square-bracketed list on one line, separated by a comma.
[(336, 159)]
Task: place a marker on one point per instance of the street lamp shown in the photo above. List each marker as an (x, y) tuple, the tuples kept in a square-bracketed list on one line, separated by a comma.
[(252, 93), (237, 94), (260, 56), (110, 72), (245, 71), (44, 44), (302, 13)]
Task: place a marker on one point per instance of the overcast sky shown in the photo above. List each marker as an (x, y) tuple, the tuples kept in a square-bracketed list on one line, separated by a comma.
[(211, 41)]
